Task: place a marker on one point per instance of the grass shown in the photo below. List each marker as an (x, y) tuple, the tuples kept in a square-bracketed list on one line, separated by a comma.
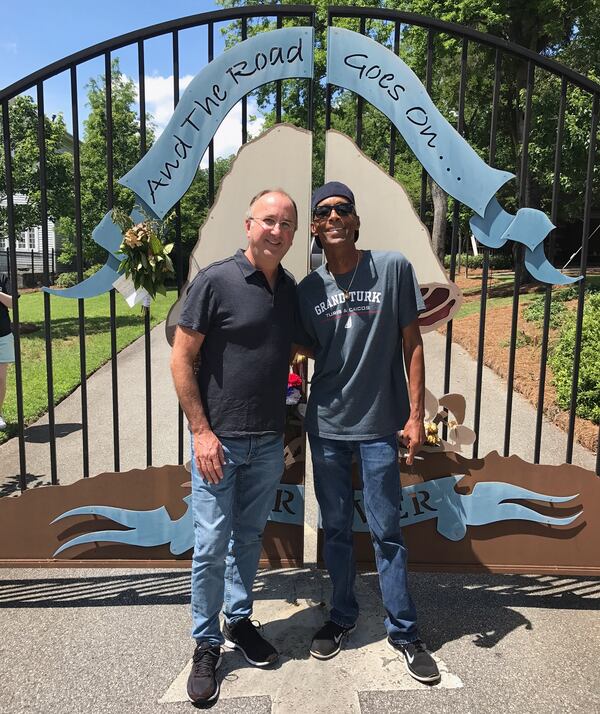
[(65, 347), (468, 308), (504, 282)]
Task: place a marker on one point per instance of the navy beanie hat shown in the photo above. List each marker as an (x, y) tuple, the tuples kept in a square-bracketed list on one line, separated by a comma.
[(332, 188)]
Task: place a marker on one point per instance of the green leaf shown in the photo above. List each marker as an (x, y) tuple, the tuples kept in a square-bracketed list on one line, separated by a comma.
[(155, 244)]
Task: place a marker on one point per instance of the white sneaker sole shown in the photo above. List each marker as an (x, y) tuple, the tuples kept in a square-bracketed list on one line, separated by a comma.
[(233, 646), (425, 680)]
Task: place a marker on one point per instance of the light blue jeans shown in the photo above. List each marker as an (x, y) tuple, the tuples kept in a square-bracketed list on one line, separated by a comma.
[(378, 461), (229, 520)]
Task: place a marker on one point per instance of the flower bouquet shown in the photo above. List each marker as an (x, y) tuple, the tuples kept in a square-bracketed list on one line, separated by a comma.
[(294, 393), (146, 252)]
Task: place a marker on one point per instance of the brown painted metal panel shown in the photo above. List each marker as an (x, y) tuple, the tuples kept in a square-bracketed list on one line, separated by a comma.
[(29, 537), (516, 546)]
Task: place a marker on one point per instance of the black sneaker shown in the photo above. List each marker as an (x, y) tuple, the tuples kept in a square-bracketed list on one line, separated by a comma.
[(327, 642), (419, 662), (244, 636), (202, 684)]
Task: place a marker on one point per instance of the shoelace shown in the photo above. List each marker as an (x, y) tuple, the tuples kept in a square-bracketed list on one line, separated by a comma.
[(202, 661)]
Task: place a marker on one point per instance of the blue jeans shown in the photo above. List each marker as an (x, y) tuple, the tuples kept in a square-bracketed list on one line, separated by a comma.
[(229, 520), (378, 462)]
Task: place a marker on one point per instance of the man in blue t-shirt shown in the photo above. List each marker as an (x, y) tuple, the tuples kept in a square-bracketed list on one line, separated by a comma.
[(238, 319), (358, 315)]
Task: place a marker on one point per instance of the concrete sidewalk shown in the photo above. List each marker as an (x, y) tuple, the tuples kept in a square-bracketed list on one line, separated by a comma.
[(114, 642)]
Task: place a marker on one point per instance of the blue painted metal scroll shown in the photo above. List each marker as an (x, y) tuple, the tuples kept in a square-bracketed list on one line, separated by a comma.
[(354, 62), (438, 500), (367, 68), (164, 174)]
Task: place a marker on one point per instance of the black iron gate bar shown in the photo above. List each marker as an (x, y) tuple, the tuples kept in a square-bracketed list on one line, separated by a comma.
[(37, 79), (280, 13), (534, 60)]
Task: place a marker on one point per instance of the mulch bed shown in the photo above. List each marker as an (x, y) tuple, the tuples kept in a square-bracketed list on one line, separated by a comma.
[(465, 332)]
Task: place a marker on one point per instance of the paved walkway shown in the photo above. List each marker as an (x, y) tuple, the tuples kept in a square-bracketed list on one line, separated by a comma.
[(114, 641)]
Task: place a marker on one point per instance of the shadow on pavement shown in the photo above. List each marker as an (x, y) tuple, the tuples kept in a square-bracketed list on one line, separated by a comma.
[(450, 606), (41, 434)]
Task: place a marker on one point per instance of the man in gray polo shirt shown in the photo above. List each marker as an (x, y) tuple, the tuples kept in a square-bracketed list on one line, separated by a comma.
[(238, 316), (358, 316)]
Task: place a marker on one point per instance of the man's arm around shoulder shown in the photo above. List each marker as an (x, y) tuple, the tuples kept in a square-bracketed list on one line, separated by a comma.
[(207, 447)]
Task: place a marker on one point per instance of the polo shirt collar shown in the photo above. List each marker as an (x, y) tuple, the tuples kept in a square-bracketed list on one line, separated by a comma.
[(248, 269)]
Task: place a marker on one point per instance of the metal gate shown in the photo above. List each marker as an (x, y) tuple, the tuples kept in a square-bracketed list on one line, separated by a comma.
[(319, 111)]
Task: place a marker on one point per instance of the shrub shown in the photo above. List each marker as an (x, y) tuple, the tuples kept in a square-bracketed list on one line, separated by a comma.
[(498, 261), (534, 311), (66, 280), (561, 361), (91, 270)]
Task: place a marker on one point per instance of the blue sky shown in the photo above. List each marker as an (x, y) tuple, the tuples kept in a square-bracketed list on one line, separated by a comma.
[(35, 33)]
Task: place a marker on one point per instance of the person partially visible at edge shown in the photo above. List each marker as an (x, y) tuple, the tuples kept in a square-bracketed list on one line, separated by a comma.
[(7, 345), (358, 315), (239, 316)]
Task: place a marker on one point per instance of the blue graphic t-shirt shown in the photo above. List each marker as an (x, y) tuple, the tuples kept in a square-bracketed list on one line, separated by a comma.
[(358, 390)]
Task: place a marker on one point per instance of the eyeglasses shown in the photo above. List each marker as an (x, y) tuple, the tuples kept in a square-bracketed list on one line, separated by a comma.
[(268, 224), (342, 209)]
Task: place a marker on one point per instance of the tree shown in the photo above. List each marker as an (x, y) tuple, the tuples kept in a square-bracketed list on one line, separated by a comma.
[(94, 173), (23, 123), (566, 32)]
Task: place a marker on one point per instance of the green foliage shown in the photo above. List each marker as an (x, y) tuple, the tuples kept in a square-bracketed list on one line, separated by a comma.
[(66, 280), (522, 340), (23, 122), (146, 254), (561, 361), (195, 203), (498, 261), (534, 311), (92, 269)]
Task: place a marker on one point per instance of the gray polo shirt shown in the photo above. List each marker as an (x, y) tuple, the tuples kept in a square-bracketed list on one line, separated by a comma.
[(358, 390), (245, 355)]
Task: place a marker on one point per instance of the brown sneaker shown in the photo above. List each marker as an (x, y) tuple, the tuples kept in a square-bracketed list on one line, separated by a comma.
[(202, 684)]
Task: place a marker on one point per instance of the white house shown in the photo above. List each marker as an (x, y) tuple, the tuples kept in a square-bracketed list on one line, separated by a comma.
[(29, 245)]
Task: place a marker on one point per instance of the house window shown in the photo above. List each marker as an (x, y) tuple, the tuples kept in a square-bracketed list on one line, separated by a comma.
[(3, 243), (21, 241), (32, 239)]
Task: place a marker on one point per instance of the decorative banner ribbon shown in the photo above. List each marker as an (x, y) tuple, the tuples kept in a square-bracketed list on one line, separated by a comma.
[(489, 502), (372, 71), (165, 173)]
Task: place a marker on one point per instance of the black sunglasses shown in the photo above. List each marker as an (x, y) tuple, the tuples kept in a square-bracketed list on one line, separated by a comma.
[(342, 209)]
